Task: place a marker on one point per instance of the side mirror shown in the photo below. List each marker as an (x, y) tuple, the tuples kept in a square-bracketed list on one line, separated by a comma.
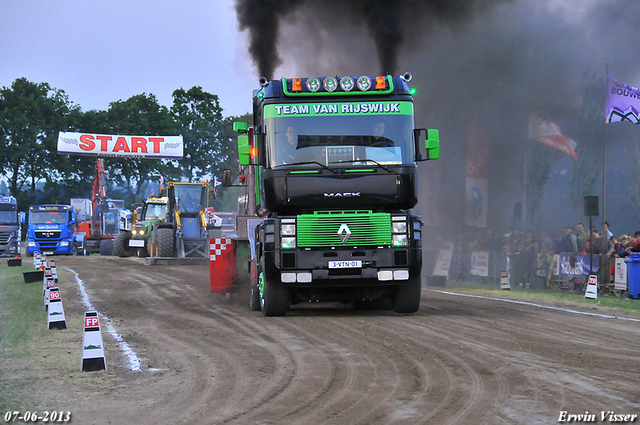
[(22, 217), (244, 148), (74, 217), (240, 127), (226, 178), (432, 144)]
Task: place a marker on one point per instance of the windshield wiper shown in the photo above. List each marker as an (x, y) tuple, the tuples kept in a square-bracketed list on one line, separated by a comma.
[(387, 169), (317, 163)]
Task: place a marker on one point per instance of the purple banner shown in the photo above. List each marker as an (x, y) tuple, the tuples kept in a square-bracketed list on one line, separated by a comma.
[(577, 265), (622, 102)]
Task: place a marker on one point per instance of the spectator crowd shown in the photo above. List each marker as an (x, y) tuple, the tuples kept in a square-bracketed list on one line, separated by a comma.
[(538, 250)]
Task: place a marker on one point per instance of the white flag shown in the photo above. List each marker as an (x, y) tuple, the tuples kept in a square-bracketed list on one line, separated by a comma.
[(544, 130)]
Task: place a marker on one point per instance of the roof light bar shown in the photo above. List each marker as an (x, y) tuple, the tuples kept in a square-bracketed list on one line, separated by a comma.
[(364, 83), (347, 83), (313, 84), (330, 84)]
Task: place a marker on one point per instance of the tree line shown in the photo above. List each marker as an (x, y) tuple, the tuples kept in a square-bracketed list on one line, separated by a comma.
[(32, 114)]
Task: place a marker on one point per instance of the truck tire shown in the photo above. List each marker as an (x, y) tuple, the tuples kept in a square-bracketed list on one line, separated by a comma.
[(408, 295), (166, 245), (274, 297), (254, 299), (121, 245), (106, 247)]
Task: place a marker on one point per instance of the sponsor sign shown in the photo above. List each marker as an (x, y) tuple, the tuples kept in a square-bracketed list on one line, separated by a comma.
[(576, 265), (170, 147), (338, 108), (620, 274), (480, 263), (91, 322), (443, 263)]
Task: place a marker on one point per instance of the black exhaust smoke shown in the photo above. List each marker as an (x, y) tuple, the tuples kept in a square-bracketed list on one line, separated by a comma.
[(388, 22)]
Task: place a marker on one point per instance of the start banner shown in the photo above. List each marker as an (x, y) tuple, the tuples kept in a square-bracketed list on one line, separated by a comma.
[(170, 147)]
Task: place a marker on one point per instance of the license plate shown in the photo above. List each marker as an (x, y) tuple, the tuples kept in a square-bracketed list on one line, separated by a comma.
[(136, 243), (48, 252), (355, 264)]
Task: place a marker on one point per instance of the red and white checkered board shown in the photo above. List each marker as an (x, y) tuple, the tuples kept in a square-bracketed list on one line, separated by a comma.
[(219, 246)]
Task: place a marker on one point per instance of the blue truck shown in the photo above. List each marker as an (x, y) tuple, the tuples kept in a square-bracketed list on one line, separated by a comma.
[(9, 227), (51, 230)]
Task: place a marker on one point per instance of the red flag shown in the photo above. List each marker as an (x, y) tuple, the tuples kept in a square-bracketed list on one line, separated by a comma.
[(544, 130)]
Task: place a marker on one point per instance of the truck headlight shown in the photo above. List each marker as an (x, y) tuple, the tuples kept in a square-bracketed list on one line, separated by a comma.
[(288, 242), (288, 233), (32, 244), (64, 243), (288, 229), (399, 227), (400, 240), (141, 232), (134, 232)]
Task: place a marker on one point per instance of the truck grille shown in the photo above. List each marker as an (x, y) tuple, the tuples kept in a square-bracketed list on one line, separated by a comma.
[(47, 234), (322, 229), (4, 237)]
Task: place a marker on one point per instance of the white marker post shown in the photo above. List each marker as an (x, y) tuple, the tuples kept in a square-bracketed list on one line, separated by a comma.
[(56, 319), (505, 283), (592, 287), (54, 269), (92, 349), (48, 284)]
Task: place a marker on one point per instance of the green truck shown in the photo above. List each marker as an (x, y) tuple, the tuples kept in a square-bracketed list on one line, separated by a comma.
[(331, 165)]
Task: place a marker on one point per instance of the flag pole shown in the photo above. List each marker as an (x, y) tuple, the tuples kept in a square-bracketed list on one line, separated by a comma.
[(604, 181), (524, 187)]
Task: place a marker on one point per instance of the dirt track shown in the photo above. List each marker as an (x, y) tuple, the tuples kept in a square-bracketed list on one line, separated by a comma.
[(206, 359)]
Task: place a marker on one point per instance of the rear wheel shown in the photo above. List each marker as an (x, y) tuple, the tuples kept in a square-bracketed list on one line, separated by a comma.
[(106, 247), (166, 242), (408, 295), (121, 245)]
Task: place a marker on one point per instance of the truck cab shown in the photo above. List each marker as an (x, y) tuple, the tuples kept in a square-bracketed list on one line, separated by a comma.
[(9, 227), (335, 167), (51, 230)]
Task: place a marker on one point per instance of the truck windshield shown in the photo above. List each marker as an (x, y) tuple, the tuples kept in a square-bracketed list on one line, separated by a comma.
[(332, 139), (48, 217), (8, 217)]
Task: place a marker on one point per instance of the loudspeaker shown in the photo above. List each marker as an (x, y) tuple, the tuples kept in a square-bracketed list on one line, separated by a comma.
[(517, 211), (591, 207)]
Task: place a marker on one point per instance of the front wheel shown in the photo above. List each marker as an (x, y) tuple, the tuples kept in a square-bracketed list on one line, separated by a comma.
[(121, 245), (166, 242), (408, 295), (274, 296), (254, 299)]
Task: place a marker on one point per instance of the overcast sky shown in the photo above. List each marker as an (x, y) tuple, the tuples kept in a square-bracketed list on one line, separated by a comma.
[(103, 51)]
